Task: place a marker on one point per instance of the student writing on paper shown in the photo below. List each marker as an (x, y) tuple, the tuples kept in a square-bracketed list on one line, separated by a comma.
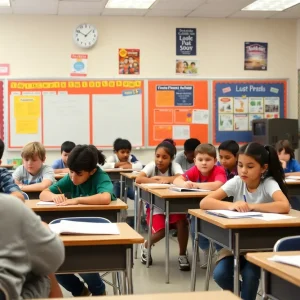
[(7, 183), (29, 253), (259, 187), (164, 170), (122, 158), (286, 155), (186, 157), (60, 165), (206, 175), (86, 184), (33, 172)]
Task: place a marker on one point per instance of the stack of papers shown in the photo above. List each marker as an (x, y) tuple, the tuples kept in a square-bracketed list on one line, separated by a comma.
[(73, 227), (156, 185), (46, 203), (293, 260), (179, 189), (273, 217), (233, 214)]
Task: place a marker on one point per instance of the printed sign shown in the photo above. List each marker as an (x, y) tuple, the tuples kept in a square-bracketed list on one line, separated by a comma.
[(186, 40), (256, 56)]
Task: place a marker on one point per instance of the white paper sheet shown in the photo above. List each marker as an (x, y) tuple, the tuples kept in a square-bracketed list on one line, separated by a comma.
[(293, 260), (45, 203), (273, 217)]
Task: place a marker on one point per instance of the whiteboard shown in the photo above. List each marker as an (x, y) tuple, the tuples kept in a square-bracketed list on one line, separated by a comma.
[(65, 118), (117, 116)]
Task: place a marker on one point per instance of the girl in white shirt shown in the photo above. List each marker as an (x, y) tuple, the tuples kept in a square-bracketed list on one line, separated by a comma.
[(164, 170), (259, 187)]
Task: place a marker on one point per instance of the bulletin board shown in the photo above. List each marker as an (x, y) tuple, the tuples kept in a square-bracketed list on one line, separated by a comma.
[(237, 102), (177, 109), (83, 111), (1, 110)]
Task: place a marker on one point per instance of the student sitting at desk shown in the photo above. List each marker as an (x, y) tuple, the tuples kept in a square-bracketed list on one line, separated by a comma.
[(33, 172), (204, 175), (85, 184), (122, 158), (259, 187), (29, 253), (163, 170), (60, 165), (186, 157), (7, 184), (286, 155)]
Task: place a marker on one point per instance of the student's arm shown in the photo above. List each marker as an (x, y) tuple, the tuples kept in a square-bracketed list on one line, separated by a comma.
[(109, 163), (36, 186), (64, 170), (213, 186), (8, 186), (98, 199), (292, 174), (182, 181), (18, 174), (56, 191), (18, 195), (146, 174)]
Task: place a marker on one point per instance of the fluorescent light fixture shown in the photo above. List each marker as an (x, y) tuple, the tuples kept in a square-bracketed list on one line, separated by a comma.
[(133, 4), (271, 5), (4, 2)]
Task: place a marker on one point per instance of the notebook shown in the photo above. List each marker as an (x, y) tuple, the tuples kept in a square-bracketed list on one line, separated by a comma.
[(233, 214), (156, 185), (73, 227), (293, 260), (179, 189), (45, 203)]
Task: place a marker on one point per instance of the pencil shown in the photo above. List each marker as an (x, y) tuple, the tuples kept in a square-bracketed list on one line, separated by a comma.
[(59, 190), (245, 198)]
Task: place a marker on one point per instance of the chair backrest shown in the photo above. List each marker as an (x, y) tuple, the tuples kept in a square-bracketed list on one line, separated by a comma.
[(290, 243), (82, 219), (26, 197)]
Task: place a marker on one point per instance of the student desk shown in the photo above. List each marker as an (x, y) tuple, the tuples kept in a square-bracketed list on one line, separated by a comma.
[(215, 295), (59, 176), (279, 281), (294, 188), (114, 174), (240, 235), (8, 167), (32, 193), (49, 213), (128, 179), (169, 202), (94, 253)]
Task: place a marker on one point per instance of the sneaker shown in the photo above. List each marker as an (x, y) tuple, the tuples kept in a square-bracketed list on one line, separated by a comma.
[(85, 292), (144, 252), (184, 264)]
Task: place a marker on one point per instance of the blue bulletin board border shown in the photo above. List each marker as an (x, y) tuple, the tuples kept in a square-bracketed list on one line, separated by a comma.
[(245, 88)]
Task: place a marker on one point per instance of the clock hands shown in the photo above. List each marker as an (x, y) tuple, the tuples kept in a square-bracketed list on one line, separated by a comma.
[(78, 31)]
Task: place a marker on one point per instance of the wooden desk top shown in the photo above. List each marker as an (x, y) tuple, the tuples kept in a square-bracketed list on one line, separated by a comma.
[(246, 223), (60, 175), (117, 170), (168, 194), (117, 204), (127, 236), (6, 166), (212, 295), (286, 272), (294, 182), (129, 175)]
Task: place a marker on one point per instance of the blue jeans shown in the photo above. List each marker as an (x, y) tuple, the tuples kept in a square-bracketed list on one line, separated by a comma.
[(117, 189), (223, 276), (74, 285), (203, 242)]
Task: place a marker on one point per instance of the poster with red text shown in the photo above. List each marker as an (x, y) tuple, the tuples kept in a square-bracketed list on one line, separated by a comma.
[(129, 61)]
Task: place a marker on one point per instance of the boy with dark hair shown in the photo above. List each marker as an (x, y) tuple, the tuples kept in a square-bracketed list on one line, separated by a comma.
[(186, 157), (60, 165), (7, 183)]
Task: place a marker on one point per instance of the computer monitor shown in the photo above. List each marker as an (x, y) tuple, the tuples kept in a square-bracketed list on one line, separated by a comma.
[(270, 131)]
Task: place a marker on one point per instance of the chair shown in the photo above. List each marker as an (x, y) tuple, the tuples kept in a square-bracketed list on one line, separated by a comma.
[(290, 243), (115, 275), (26, 197)]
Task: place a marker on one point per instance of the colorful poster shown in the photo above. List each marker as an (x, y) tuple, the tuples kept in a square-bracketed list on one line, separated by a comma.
[(225, 105), (186, 41), (272, 105), (4, 69), (200, 116), (187, 67), (79, 64), (226, 122), (256, 56), (241, 122), (129, 61), (240, 105), (256, 105)]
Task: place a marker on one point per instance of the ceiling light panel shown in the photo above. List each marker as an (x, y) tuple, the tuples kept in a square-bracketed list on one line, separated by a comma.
[(271, 5), (131, 4)]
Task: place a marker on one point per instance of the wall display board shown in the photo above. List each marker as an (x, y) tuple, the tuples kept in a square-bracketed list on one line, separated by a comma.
[(82, 111), (238, 102), (1, 109), (177, 109)]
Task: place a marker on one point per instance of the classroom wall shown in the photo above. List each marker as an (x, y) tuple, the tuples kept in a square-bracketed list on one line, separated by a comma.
[(40, 46)]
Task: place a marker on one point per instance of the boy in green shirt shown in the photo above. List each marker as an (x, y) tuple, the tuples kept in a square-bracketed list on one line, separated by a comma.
[(85, 184)]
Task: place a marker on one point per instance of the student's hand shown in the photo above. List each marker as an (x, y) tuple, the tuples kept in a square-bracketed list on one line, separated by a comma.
[(59, 198), (240, 206), (120, 164), (164, 180), (158, 178), (74, 201), (126, 166), (188, 184), (283, 163)]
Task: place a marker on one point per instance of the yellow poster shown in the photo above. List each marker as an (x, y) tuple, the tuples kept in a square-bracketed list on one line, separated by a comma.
[(27, 106), (27, 126)]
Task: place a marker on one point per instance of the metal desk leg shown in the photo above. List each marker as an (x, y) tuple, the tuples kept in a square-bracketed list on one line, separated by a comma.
[(194, 261), (236, 253), (129, 270), (264, 282), (167, 240), (140, 207), (125, 188), (208, 269), (150, 230), (136, 205), (121, 187), (124, 283)]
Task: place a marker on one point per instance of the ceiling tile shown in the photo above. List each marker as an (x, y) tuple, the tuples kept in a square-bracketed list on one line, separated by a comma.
[(5, 10), (174, 5), (80, 8), (253, 14), (167, 13), (292, 13), (41, 7), (123, 12)]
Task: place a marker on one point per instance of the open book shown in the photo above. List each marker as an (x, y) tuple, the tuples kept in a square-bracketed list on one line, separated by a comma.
[(73, 227), (293, 260), (179, 189), (233, 214)]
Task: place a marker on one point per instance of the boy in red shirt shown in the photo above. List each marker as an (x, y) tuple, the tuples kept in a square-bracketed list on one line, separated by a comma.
[(204, 175)]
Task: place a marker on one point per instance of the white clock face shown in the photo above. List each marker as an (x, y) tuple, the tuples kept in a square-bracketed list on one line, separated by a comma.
[(85, 35)]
